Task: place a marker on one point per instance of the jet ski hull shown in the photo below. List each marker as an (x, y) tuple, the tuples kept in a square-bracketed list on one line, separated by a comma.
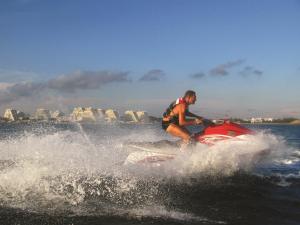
[(157, 152)]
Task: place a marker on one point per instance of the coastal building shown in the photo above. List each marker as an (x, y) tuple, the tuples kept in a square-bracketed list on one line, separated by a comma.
[(268, 119), (143, 116), (56, 114), (85, 114), (256, 120), (77, 114), (131, 116), (11, 115), (42, 114), (111, 115)]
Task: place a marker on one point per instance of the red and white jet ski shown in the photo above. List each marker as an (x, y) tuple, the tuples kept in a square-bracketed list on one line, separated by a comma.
[(221, 132), (155, 152)]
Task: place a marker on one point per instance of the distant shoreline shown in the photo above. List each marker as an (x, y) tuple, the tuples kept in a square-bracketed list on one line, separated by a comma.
[(151, 121), (294, 124)]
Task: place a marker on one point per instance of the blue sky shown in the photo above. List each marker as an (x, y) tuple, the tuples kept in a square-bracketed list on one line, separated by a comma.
[(241, 57)]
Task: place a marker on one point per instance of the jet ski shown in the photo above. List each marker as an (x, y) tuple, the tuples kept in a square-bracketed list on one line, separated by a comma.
[(156, 152), (223, 130)]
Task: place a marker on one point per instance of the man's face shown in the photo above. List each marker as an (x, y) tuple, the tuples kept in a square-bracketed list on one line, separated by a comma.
[(192, 99)]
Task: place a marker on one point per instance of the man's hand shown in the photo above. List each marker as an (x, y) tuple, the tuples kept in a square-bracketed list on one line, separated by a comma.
[(207, 123), (198, 121)]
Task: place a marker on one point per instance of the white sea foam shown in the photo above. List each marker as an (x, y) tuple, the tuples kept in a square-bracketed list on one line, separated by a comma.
[(66, 170), (231, 156), (224, 158), (163, 213), (54, 161)]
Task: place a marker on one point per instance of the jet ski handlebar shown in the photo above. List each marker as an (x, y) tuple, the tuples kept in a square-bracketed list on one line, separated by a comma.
[(207, 123)]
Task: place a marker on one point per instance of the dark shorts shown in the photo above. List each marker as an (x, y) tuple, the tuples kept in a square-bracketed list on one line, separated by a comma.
[(165, 124)]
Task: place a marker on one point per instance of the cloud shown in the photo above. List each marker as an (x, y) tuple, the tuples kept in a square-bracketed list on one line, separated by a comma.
[(223, 69), (258, 72), (250, 71), (153, 75), (80, 80), (199, 75), (85, 80), (4, 85), (26, 89), (13, 92)]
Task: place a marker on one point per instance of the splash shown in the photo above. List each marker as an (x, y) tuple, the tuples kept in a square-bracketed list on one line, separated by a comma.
[(163, 213), (230, 156), (81, 171), (70, 171), (224, 158)]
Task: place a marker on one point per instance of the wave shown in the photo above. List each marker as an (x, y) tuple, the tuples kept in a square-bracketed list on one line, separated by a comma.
[(83, 173)]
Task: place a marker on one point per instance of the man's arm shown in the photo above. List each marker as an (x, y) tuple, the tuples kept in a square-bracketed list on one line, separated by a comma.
[(188, 113), (182, 120), (205, 122)]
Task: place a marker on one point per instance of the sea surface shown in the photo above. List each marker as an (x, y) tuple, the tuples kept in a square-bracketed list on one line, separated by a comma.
[(75, 174)]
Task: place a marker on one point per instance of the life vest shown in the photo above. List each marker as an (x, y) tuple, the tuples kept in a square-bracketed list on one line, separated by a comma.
[(172, 106)]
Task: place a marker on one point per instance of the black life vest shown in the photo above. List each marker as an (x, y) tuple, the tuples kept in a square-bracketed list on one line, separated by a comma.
[(172, 106)]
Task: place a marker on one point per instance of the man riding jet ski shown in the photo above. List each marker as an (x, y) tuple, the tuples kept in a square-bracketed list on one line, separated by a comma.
[(174, 122), (164, 150), (174, 118)]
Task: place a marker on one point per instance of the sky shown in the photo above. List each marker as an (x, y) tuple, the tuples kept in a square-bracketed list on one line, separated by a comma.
[(242, 57)]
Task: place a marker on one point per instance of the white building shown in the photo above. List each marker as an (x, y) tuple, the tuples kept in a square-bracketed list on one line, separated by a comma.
[(85, 114), (57, 114), (131, 116), (268, 119), (143, 116), (42, 114), (111, 115), (256, 120), (11, 114)]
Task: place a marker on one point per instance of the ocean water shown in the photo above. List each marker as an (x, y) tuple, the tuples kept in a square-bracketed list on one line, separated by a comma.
[(75, 174)]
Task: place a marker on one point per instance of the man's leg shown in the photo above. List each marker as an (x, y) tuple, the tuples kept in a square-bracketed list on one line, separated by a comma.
[(178, 131)]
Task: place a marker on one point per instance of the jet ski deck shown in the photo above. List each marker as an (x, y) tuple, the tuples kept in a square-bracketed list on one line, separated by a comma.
[(163, 145), (153, 152)]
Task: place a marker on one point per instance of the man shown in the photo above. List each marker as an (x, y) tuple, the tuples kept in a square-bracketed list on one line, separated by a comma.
[(174, 118)]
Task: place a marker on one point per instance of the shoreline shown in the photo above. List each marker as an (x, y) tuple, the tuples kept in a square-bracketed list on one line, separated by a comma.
[(294, 124), (123, 122)]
